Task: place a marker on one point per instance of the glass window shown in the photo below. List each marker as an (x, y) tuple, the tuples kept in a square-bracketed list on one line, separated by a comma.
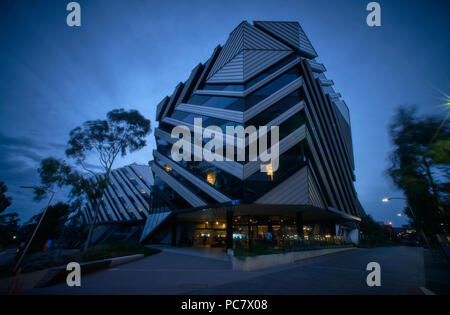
[(231, 103), (260, 183), (223, 87), (276, 109), (206, 121), (271, 88), (269, 71)]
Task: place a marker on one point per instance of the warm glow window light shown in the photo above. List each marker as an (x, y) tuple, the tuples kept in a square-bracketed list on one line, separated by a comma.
[(269, 169), (211, 177), (167, 168)]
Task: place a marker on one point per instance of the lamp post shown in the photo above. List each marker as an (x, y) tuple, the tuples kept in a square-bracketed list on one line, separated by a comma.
[(16, 267), (387, 199)]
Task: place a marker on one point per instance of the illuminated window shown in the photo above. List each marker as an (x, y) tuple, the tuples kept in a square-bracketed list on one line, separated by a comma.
[(211, 177), (269, 170), (167, 168)]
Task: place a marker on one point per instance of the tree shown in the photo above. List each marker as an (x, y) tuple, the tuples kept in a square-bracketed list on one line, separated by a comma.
[(420, 167), (74, 231), (122, 132), (373, 233), (9, 228), (51, 228), (5, 201), (9, 222)]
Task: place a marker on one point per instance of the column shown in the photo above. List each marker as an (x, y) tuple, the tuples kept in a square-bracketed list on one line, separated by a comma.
[(299, 224), (229, 239)]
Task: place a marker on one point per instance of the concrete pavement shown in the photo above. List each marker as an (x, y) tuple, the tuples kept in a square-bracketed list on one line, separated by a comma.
[(175, 273), (341, 273)]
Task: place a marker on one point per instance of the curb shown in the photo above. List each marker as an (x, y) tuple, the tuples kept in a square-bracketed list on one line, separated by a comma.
[(267, 261), (59, 274)]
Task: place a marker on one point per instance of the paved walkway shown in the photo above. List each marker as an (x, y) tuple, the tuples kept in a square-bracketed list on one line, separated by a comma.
[(205, 252), (437, 272), (342, 273), (163, 273), (176, 273)]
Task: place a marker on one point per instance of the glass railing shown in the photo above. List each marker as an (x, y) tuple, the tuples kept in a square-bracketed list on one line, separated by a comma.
[(254, 247)]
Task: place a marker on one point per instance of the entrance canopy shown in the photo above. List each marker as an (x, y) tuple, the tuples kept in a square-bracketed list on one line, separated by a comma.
[(309, 213)]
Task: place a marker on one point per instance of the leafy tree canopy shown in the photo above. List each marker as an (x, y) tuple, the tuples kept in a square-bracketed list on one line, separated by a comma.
[(420, 166), (5, 201), (121, 132)]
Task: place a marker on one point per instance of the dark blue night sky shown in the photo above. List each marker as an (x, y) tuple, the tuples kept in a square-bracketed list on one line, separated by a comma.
[(132, 53)]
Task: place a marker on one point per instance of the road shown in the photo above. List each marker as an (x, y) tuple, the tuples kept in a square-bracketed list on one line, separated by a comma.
[(175, 273), (7, 255)]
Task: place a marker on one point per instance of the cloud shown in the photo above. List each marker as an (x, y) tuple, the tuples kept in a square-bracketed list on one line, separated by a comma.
[(19, 160)]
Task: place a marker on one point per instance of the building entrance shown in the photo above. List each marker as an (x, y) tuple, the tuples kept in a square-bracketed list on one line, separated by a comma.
[(209, 234)]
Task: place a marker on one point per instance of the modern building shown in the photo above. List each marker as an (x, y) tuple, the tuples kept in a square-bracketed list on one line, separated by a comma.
[(266, 74), (125, 205)]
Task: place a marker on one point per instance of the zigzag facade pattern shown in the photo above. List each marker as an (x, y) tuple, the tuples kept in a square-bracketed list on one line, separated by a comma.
[(265, 74)]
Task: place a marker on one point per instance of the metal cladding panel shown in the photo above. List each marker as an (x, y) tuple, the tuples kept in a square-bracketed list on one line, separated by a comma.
[(286, 31), (227, 114), (231, 48), (254, 87), (125, 194), (207, 67), (317, 67), (326, 82), (185, 193), (347, 134), (161, 106), (272, 99), (305, 44), (247, 64), (144, 173), (256, 61), (231, 72), (132, 181), (343, 109), (314, 194), (292, 191), (286, 114), (291, 33), (152, 222), (173, 99), (193, 179), (285, 144), (244, 37), (188, 85), (231, 167), (254, 38)]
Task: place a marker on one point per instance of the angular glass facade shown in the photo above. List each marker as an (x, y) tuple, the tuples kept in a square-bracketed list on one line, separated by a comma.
[(269, 79)]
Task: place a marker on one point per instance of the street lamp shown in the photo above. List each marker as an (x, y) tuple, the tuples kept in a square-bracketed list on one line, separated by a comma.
[(387, 199), (16, 267)]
